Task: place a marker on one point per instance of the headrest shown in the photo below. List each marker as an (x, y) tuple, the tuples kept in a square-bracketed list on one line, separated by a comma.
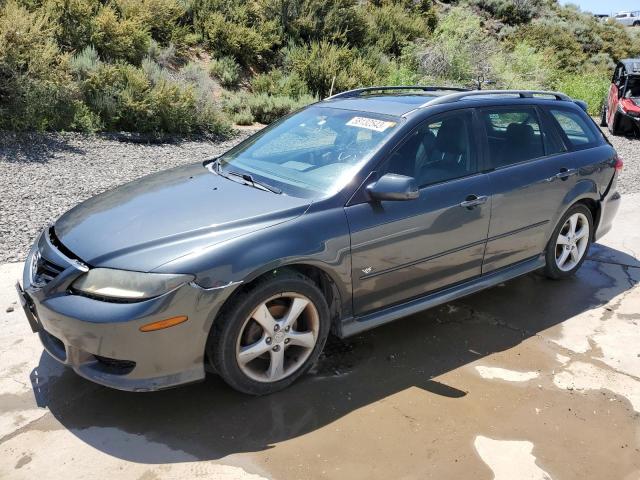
[(451, 137), (520, 133)]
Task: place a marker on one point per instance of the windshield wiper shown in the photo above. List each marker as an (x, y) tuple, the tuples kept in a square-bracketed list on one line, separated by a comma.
[(249, 180), (255, 183)]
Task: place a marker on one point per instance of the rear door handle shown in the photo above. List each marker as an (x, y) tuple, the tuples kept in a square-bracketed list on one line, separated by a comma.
[(563, 174), (473, 201)]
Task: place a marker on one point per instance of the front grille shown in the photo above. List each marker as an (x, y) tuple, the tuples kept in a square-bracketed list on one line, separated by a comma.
[(113, 366), (45, 271)]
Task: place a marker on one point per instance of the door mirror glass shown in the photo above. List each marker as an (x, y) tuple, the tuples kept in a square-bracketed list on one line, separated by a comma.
[(394, 187)]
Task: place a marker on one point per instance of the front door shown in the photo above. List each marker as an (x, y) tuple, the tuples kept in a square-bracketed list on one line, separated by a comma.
[(405, 249)]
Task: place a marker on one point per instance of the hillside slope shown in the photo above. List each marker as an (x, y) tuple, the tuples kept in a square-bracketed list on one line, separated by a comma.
[(195, 66)]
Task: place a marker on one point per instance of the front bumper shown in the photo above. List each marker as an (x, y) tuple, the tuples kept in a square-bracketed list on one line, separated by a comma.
[(101, 341)]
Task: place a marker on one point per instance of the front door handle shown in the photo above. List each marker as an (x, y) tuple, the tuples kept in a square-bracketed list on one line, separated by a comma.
[(473, 201), (563, 174)]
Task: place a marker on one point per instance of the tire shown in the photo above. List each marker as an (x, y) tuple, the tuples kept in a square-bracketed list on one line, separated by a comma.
[(603, 117), (613, 125), (257, 360), (561, 261), (636, 24)]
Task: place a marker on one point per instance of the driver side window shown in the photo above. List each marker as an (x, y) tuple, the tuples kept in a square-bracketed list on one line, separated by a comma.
[(438, 150)]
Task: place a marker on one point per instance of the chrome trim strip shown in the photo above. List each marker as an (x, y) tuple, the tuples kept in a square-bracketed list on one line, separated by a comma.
[(212, 289)]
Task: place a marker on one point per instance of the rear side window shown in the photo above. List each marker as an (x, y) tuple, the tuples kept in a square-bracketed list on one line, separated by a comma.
[(514, 135), (575, 127)]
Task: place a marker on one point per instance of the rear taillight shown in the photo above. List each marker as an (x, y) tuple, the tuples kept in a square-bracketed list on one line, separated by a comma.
[(618, 164)]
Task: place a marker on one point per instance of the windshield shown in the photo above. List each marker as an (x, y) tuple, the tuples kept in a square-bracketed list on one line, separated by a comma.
[(313, 152), (633, 87)]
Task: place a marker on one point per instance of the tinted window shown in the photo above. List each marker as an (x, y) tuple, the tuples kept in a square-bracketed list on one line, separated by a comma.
[(575, 128), (514, 135), (439, 150)]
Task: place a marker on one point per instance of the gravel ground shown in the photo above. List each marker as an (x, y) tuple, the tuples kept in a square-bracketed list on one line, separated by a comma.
[(629, 150), (43, 175)]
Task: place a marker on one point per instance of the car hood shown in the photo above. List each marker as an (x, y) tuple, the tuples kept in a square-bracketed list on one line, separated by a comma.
[(143, 224)]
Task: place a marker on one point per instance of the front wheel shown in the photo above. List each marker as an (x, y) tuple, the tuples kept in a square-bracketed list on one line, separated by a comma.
[(270, 335), (569, 243)]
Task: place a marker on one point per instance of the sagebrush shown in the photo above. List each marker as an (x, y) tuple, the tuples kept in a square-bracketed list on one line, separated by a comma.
[(196, 66)]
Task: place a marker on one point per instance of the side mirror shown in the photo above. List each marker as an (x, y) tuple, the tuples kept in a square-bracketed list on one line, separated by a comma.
[(394, 187)]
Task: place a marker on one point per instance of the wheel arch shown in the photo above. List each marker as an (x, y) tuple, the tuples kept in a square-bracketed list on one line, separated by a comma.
[(585, 192), (321, 276)]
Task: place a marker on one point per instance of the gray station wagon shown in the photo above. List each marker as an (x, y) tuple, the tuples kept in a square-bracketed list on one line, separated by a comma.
[(353, 212)]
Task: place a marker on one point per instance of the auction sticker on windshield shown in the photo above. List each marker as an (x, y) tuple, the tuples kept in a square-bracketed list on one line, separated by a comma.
[(370, 123)]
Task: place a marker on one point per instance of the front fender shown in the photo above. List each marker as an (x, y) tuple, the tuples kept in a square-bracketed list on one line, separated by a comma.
[(317, 238)]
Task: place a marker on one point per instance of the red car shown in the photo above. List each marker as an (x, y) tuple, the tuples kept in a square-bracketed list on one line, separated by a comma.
[(621, 110)]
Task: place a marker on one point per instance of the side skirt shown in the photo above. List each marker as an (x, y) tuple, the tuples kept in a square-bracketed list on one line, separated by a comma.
[(353, 326)]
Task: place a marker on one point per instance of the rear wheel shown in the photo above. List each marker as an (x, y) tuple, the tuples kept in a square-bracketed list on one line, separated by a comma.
[(603, 117), (569, 243), (271, 335)]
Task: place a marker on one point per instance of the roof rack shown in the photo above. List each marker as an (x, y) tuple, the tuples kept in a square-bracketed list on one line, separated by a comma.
[(425, 88), (454, 97)]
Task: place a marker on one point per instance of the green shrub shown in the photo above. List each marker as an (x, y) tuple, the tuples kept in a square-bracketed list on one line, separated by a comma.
[(225, 69), (322, 63), (125, 99), (590, 87), (159, 17), (72, 19), (36, 89), (401, 75), (163, 56), (85, 62), (276, 82), (84, 120), (195, 75), (392, 27), (116, 38), (523, 68), (264, 108), (239, 37), (460, 50), (243, 117), (554, 40), (511, 12), (155, 73), (336, 21)]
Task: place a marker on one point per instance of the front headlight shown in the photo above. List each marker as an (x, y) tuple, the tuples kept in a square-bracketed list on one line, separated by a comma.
[(121, 284)]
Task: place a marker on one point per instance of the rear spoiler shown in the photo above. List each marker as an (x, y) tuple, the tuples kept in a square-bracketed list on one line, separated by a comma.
[(582, 104)]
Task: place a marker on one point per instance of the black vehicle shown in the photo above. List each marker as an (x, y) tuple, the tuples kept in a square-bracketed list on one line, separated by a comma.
[(621, 109), (353, 212)]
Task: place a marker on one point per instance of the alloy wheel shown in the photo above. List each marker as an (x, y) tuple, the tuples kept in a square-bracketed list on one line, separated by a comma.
[(278, 337), (572, 242)]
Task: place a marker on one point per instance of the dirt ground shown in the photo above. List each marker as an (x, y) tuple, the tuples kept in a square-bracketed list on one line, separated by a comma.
[(533, 379)]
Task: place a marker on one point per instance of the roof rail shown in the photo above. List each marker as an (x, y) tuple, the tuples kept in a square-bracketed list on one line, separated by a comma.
[(425, 88), (454, 97)]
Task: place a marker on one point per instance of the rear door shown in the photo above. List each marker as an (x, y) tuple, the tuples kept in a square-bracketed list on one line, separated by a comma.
[(529, 178), (405, 249)]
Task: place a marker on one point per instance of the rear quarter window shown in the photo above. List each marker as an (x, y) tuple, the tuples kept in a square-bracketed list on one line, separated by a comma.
[(578, 130)]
